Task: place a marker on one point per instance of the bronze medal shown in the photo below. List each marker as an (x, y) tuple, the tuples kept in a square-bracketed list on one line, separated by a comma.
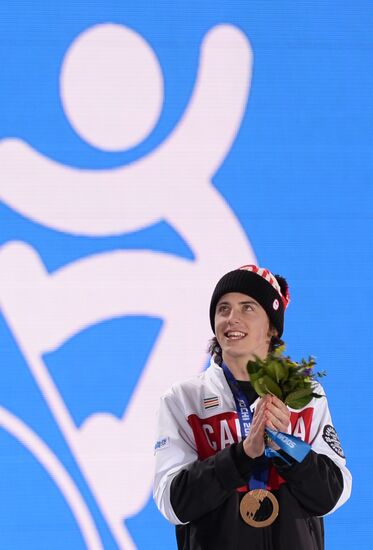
[(259, 508)]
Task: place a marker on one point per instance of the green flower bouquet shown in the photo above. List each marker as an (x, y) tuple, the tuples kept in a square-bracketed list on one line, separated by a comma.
[(293, 383)]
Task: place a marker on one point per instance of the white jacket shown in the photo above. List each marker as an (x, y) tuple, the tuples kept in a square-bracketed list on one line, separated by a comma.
[(198, 420)]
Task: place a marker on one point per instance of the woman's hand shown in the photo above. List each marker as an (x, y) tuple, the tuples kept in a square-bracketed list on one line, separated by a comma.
[(278, 418), (271, 413), (254, 442), (278, 415)]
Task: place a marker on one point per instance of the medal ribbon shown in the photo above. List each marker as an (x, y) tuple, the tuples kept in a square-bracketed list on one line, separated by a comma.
[(245, 416), (293, 446)]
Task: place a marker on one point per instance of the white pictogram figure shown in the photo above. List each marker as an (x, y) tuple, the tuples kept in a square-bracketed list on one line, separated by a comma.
[(112, 87), (48, 460), (172, 183)]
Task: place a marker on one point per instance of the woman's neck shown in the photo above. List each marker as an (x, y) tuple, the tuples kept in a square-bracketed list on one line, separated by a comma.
[(237, 366)]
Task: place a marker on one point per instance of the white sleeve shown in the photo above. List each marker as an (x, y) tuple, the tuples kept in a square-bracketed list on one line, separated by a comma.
[(174, 450), (324, 440)]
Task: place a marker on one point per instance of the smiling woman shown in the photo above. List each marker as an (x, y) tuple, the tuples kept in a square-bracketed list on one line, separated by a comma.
[(243, 331), (219, 478)]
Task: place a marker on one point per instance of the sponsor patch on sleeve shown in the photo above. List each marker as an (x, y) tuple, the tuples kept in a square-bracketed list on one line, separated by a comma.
[(162, 444), (330, 437)]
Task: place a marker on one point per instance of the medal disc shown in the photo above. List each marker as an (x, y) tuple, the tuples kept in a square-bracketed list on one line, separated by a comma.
[(259, 508)]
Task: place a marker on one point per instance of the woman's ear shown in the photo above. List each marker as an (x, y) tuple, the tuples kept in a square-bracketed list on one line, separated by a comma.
[(272, 331)]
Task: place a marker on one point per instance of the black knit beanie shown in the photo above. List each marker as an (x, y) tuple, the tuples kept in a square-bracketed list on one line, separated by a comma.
[(270, 291)]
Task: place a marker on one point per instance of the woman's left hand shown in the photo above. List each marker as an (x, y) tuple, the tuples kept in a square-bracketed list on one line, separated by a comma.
[(277, 415)]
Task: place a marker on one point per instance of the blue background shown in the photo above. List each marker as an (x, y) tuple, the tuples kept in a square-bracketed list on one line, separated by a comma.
[(298, 177)]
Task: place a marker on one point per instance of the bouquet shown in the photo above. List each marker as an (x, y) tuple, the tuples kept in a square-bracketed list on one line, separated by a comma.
[(293, 383)]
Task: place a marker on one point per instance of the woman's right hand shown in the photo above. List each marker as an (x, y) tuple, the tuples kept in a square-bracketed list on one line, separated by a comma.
[(254, 442)]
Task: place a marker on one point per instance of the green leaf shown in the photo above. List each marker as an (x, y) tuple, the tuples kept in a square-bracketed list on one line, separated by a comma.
[(256, 375), (259, 387), (271, 386), (299, 398), (299, 403), (277, 370), (302, 392), (279, 375), (253, 367)]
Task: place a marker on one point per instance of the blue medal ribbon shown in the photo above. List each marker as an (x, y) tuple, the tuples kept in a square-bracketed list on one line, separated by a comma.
[(245, 417), (293, 446)]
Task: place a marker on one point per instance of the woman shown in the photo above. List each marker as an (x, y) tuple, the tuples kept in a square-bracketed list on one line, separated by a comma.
[(211, 448)]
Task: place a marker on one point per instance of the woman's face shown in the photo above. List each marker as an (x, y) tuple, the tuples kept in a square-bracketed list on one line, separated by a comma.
[(241, 326)]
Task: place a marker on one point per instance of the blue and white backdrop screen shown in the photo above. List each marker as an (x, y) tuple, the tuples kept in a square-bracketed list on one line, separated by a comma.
[(145, 149)]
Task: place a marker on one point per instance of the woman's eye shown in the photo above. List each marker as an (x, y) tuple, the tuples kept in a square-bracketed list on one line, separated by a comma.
[(223, 309), (248, 307)]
